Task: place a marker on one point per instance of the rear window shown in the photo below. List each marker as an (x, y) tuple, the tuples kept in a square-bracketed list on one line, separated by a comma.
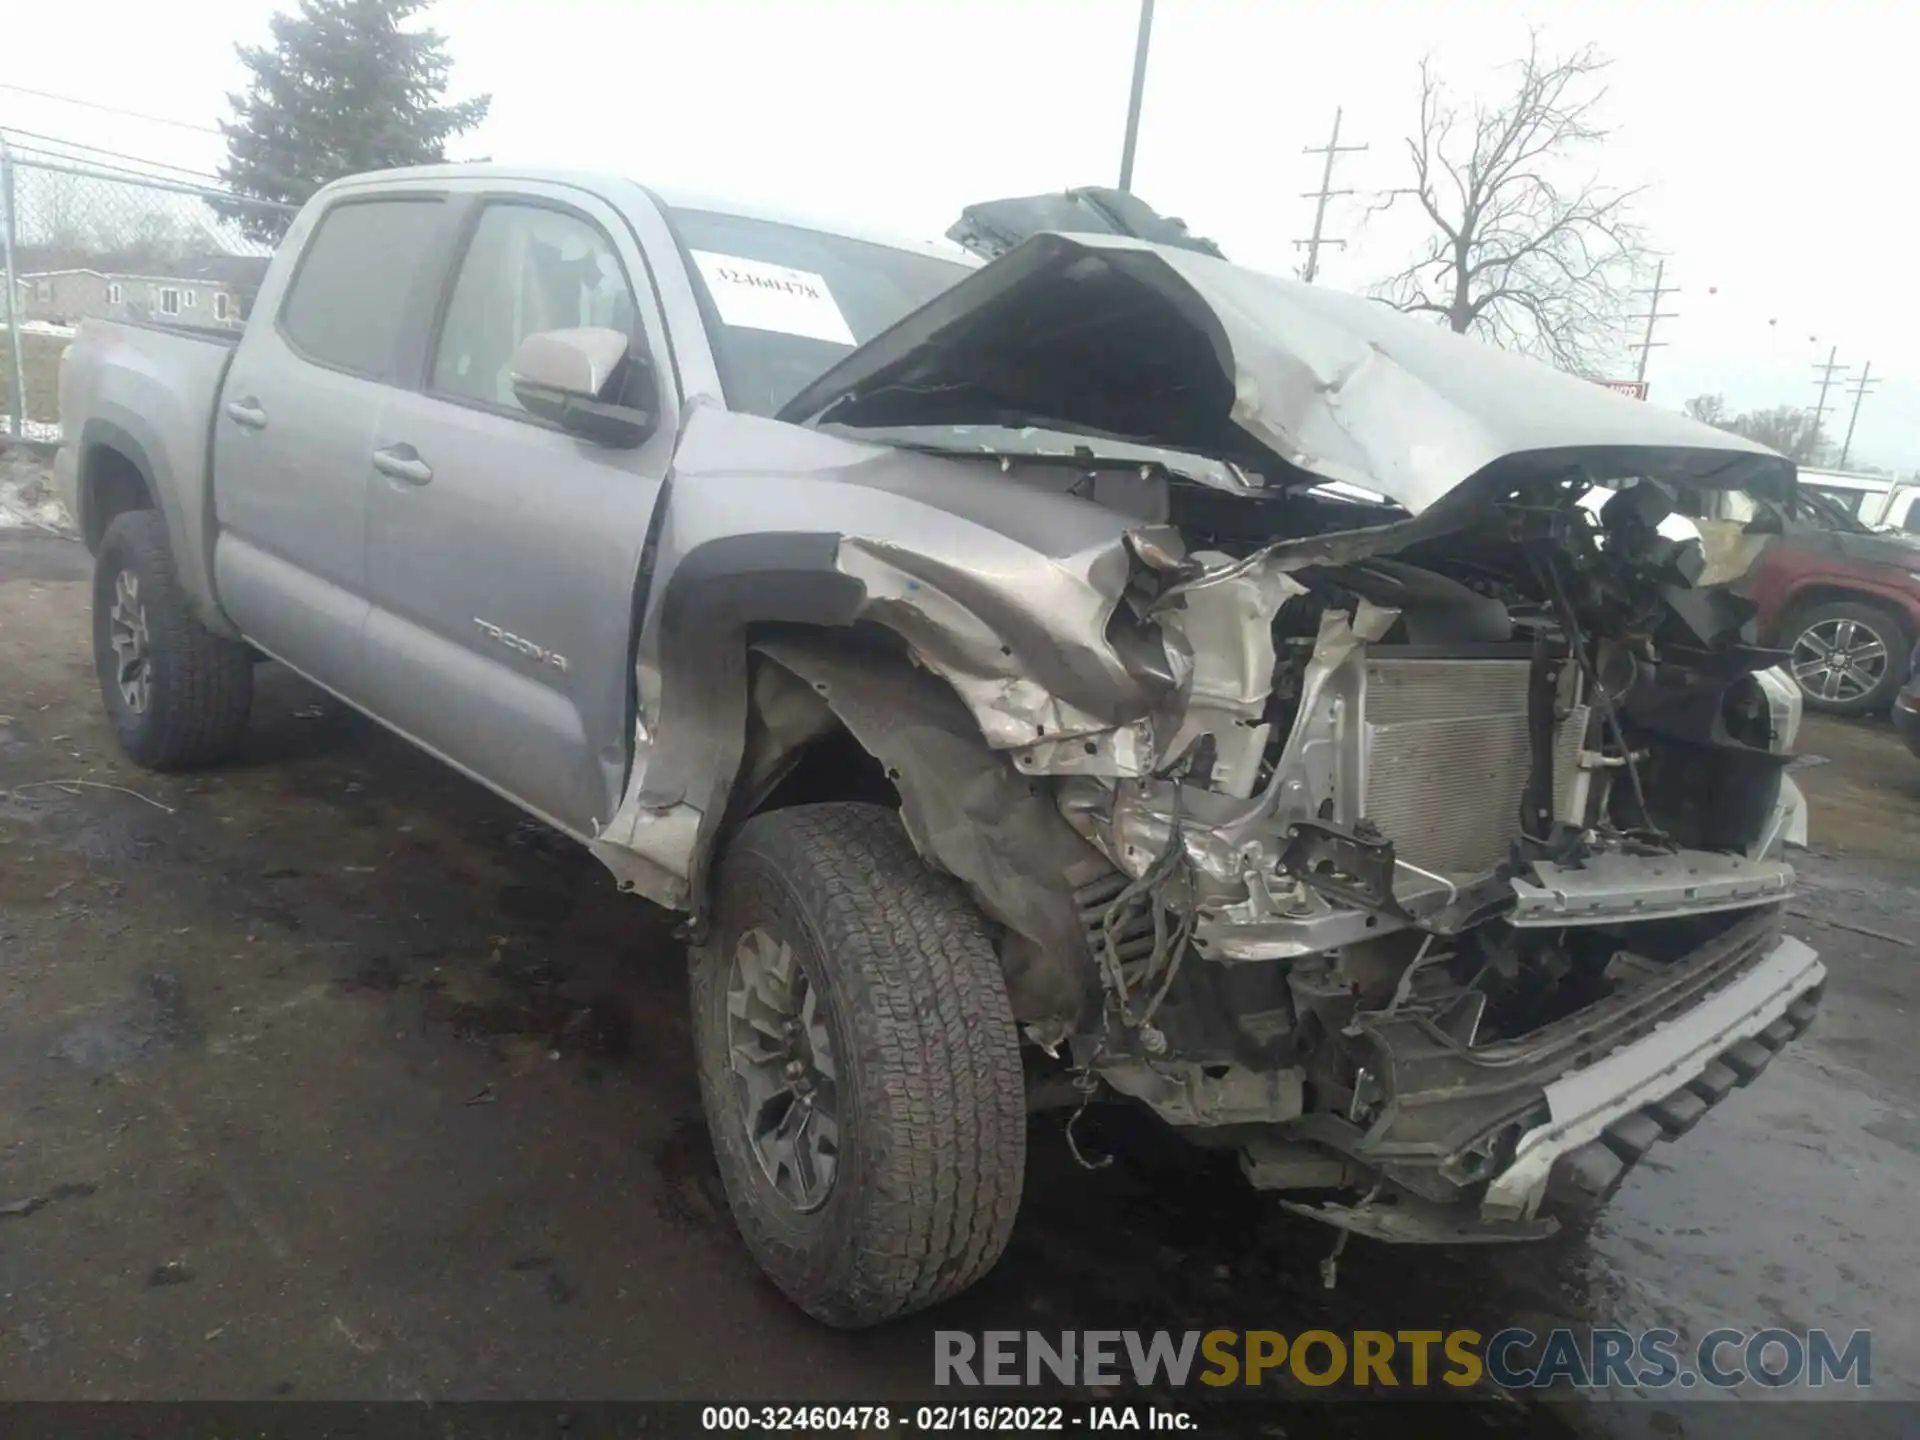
[(1847, 500), (785, 302), (350, 295)]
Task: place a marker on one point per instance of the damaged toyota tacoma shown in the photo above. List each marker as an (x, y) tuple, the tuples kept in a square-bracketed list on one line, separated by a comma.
[(1105, 670)]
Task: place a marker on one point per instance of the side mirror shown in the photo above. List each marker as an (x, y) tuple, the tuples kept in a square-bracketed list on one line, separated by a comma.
[(590, 382)]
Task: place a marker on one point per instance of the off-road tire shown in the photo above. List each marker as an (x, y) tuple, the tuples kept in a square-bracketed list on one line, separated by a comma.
[(1889, 628), (931, 1103), (200, 685)]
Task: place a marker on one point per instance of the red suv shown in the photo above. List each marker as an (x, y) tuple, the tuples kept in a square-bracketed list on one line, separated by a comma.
[(1845, 601)]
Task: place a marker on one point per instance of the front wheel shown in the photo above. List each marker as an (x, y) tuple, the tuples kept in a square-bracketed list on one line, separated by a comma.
[(1848, 658), (858, 1064)]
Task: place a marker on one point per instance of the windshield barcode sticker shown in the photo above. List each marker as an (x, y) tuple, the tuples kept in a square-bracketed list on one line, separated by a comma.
[(758, 296)]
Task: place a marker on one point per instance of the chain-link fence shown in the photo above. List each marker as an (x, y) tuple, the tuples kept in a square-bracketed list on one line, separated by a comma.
[(86, 240)]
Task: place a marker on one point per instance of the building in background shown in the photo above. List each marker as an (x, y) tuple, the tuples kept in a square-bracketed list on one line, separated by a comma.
[(211, 290)]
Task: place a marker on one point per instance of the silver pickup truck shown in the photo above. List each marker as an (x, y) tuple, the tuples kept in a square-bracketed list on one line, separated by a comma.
[(1102, 673)]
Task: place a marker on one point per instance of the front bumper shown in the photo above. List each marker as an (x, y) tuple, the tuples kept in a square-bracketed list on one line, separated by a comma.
[(1666, 1055), (1605, 1117)]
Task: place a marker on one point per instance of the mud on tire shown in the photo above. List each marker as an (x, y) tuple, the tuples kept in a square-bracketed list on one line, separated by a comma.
[(927, 1086), (198, 686)]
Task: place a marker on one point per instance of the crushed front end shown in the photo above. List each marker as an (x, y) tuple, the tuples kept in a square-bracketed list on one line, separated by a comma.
[(1442, 784), (1455, 883)]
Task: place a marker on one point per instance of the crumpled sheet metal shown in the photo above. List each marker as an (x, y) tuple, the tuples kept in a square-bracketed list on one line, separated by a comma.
[(1010, 640), (1332, 385), (647, 850), (1022, 640), (1130, 821), (1226, 628), (968, 812)]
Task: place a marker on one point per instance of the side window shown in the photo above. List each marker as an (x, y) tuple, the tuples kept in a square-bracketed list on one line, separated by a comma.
[(350, 293), (1911, 524), (527, 269)]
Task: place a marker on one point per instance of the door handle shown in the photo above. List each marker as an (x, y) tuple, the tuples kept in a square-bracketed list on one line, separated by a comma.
[(403, 462), (246, 411)]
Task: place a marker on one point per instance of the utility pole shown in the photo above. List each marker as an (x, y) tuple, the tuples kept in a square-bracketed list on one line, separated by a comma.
[(1139, 89), (1827, 372), (1654, 312), (1860, 389), (1325, 193), (17, 392)]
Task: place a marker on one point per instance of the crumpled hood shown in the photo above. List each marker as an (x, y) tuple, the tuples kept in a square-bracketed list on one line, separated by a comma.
[(1112, 336)]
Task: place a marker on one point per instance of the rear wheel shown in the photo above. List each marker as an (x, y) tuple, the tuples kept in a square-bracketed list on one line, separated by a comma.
[(1847, 657), (176, 693), (858, 1064)]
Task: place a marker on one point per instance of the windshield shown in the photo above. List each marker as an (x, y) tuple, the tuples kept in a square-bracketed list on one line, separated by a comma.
[(783, 303)]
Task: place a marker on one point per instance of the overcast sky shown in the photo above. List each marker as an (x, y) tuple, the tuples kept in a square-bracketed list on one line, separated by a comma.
[(1766, 135)]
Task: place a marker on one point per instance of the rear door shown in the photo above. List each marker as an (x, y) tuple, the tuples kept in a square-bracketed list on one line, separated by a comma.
[(294, 426), (502, 551)]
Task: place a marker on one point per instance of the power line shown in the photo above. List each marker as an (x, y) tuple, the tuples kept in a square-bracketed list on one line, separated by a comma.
[(92, 150), (86, 168), (1861, 387), (1827, 372), (1325, 193), (1654, 313), (107, 109)]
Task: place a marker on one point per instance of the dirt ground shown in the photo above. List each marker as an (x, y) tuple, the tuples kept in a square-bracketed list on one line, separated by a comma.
[(336, 1079)]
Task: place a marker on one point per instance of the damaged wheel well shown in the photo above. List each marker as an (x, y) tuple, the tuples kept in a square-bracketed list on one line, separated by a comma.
[(834, 766), (842, 715)]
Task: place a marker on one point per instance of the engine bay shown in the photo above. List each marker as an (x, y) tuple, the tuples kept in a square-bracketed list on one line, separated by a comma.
[(1437, 793)]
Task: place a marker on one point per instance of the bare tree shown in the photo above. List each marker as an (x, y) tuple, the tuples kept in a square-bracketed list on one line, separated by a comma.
[(55, 209), (1786, 428), (1709, 410), (1520, 250)]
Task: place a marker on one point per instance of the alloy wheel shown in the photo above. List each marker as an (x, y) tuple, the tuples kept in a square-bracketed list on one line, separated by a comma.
[(784, 1071), (127, 626), (1839, 659)]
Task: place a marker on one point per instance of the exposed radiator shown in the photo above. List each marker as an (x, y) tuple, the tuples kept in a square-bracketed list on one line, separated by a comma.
[(1447, 759)]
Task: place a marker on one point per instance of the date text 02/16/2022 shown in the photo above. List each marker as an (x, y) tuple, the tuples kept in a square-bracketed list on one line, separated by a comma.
[(942, 1419)]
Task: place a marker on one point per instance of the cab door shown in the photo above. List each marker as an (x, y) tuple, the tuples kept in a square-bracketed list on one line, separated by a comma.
[(293, 427), (502, 552)]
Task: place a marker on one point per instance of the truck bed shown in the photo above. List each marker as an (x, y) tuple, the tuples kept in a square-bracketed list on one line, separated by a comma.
[(147, 391)]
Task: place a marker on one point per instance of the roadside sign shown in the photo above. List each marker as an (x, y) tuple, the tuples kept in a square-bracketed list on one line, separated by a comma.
[(1632, 389)]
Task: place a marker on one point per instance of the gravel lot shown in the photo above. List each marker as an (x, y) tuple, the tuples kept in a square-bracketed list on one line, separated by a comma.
[(338, 1080)]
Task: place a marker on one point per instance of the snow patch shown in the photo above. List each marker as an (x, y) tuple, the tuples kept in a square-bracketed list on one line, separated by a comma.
[(27, 500)]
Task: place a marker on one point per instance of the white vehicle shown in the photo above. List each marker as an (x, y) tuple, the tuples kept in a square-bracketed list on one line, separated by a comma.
[(1880, 502)]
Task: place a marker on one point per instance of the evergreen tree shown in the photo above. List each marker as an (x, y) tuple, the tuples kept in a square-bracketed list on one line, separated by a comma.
[(343, 88)]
